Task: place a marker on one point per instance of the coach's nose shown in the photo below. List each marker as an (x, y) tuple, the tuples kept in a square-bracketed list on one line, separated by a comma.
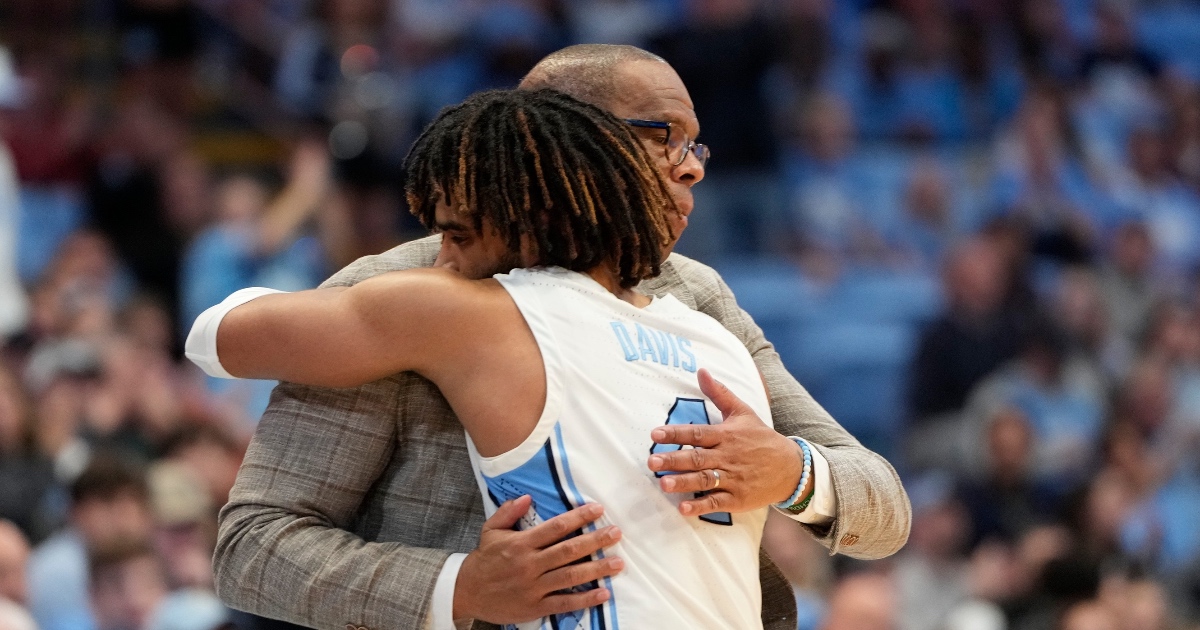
[(690, 171)]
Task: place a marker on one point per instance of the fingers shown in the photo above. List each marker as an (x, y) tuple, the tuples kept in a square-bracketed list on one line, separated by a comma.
[(578, 547), (716, 391), (558, 604), (719, 501), (508, 513), (703, 435), (575, 574), (699, 481), (684, 460), (562, 525)]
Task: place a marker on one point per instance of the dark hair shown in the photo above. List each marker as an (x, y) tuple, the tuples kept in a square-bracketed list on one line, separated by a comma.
[(107, 477), (113, 554), (555, 177), (201, 434)]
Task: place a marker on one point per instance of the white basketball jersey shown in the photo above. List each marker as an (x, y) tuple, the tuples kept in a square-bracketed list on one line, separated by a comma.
[(614, 372)]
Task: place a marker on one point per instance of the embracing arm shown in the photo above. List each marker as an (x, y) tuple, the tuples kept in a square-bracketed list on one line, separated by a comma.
[(335, 336), (873, 512), (285, 548)]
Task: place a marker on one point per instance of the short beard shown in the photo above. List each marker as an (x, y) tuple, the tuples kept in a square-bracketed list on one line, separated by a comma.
[(510, 261)]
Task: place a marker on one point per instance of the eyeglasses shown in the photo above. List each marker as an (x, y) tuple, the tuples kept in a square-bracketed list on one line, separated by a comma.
[(677, 148)]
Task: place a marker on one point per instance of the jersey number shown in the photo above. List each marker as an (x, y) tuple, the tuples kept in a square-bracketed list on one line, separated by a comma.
[(689, 411)]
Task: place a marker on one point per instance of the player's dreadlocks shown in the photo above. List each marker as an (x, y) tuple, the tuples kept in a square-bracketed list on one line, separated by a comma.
[(538, 164)]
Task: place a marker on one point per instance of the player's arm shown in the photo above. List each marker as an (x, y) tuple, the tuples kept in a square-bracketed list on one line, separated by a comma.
[(338, 336), (317, 456)]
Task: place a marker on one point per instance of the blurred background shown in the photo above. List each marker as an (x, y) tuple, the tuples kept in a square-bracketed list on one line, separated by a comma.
[(971, 227)]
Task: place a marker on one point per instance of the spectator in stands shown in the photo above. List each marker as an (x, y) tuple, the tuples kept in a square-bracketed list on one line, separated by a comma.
[(261, 240), (830, 201), (929, 223), (1120, 76), (1144, 400), (1159, 529), (211, 456), (127, 583), (863, 601), (1127, 281), (26, 476), (1039, 181), (125, 194), (806, 33), (184, 525), (1184, 134), (873, 89), (1155, 194), (186, 193), (1044, 41), (930, 572), (346, 69), (931, 93), (1060, 394), (49, 135), (1116, 48), (109, 504), (258, 239), (14, 556), (992, 83), (1078, 306), (1008, 500), (133, 405), (1096, 517), (158, 41), (974, 336)]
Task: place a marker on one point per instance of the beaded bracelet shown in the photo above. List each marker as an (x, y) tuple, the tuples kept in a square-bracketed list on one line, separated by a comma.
[(791, 504)]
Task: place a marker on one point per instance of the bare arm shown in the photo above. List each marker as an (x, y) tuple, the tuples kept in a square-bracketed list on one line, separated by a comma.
[(344, 337)]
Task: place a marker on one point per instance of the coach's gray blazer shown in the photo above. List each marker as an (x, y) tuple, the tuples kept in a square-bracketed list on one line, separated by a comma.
[(350, 500)]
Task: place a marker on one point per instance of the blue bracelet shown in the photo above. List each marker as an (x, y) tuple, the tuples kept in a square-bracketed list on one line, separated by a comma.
[(808, 466)]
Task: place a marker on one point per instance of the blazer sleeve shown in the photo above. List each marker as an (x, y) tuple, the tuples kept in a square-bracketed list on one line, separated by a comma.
[(284, 548), (873, 514)]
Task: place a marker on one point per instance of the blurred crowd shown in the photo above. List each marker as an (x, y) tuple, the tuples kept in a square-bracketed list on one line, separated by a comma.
[(1013, 185)]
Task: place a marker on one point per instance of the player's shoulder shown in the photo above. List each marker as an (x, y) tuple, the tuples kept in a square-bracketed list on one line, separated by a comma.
[(411, 255)]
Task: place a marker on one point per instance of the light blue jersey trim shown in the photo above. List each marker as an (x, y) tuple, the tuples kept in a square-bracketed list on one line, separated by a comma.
[(591, 527)]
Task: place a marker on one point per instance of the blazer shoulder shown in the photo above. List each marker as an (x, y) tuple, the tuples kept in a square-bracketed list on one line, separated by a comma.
[(690, 269), (702, 282)]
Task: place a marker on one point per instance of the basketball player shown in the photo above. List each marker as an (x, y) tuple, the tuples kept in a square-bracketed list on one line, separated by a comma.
[(557, 373)]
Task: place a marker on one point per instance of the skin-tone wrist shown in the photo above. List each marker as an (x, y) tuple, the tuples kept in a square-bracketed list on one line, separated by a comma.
[(463, 606)]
